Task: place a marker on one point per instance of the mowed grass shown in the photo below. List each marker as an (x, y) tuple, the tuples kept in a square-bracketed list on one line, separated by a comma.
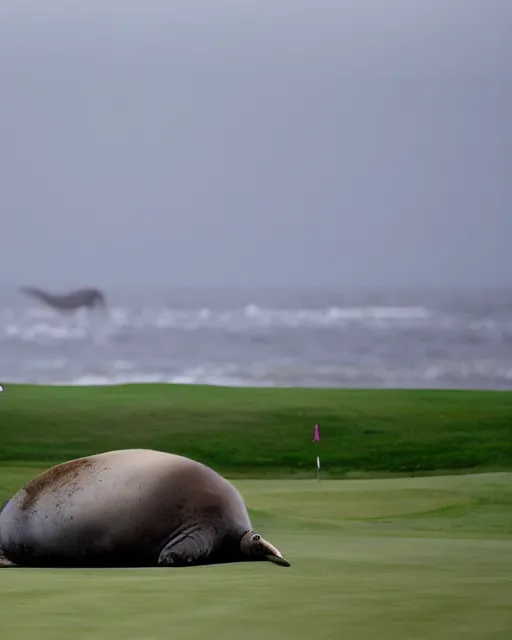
[(407, 558), (403, 557), (264, 432)]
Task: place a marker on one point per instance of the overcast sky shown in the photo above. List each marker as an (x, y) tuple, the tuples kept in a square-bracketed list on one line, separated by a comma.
[(360, 142)]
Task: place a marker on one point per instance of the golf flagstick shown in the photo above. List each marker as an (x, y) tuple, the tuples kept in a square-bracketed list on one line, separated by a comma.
[(316, 438)]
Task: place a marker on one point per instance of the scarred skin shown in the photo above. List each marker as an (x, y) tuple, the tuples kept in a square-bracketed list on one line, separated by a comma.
[(133, 507)]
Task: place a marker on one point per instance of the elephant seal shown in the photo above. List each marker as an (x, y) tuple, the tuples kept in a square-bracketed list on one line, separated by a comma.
[(89, 298), (127, 508)]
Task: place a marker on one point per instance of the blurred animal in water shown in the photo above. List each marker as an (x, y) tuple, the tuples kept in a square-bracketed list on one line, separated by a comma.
[(88, 297)]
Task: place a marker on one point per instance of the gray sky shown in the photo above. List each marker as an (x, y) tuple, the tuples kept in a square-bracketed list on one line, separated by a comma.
[(252, 143)]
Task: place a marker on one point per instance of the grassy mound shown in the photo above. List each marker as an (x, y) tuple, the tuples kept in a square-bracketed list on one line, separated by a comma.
[(263, 432)]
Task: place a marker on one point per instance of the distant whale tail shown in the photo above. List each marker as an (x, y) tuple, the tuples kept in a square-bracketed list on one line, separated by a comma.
[(32, 291), (37, 293), (90, 298), (99, 300)]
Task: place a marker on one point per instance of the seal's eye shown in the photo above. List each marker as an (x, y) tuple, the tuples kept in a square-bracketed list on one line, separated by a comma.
[(256, 537)]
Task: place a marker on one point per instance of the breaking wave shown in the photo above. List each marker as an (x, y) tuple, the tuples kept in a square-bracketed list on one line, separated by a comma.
[(479, 374), (36, 325), (47, 326), (351, 346)]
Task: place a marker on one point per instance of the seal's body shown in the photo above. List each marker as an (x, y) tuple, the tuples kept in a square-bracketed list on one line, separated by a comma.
[(132, 507)]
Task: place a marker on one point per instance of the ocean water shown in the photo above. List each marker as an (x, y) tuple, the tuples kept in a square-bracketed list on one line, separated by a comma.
[(427, 339)]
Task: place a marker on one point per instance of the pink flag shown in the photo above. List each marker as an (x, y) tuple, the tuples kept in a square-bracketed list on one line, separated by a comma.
[(317, 434)]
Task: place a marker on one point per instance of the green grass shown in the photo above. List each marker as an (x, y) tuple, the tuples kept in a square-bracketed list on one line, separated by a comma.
[(264, 432), (407, 558), (400, 558)]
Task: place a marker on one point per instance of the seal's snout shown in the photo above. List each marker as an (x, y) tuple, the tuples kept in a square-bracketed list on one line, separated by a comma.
[(274, 555), (258, 548), (278, 559)]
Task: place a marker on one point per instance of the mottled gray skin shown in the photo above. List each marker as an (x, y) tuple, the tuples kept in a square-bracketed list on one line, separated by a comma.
[(90, 298), (3, 560), (133, 507)]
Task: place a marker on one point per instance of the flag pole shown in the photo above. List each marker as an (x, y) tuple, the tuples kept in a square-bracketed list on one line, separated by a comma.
[(316, 438)]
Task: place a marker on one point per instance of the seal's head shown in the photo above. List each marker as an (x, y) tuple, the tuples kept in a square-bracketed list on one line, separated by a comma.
[(255, 547)]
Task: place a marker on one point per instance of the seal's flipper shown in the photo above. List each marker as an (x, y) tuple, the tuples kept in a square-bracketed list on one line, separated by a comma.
[(186, 550)]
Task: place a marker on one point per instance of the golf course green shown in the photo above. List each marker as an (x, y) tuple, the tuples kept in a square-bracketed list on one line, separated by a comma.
[(408, 534)]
